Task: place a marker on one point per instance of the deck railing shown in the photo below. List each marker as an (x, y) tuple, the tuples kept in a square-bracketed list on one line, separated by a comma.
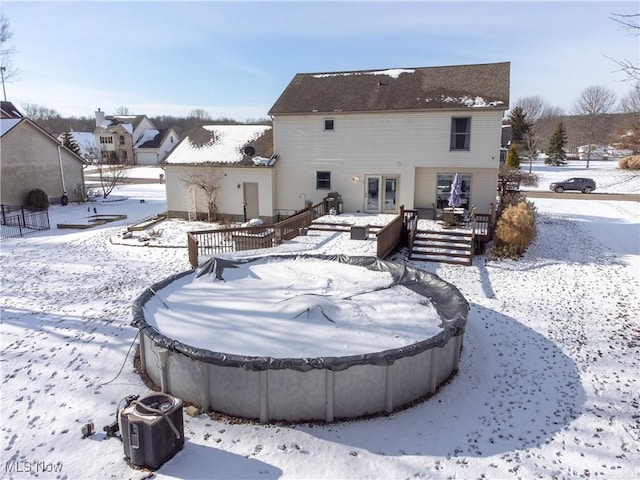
[(411, 225), (228, 240), (390, 236)]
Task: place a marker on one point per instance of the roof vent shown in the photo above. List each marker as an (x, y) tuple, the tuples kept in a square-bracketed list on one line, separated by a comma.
[(249, 151)]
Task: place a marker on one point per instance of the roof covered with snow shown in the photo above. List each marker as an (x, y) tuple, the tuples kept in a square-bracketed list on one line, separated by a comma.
[(85, 140), (452, 87), (224, 144), (149, 139), (133, 120)]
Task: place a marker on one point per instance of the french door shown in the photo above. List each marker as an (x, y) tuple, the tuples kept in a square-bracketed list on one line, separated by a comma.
[(381, 194)]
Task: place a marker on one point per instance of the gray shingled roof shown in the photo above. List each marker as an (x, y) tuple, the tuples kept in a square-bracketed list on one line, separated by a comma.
[(453, 87), (8, 110), (132, 119)]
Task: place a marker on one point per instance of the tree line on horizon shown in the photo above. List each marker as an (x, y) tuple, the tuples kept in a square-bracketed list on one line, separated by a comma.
[(534, 122), (54, 123)]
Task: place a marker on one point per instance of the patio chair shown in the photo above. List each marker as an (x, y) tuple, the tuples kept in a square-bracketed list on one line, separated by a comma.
[(448, 217)]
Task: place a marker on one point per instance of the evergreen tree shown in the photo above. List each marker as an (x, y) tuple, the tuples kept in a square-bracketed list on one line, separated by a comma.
[(519, 125), (556, 153), (513, 159), (70, 143)]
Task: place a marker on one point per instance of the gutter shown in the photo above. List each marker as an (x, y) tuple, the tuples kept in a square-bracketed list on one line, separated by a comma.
[(64, 189)]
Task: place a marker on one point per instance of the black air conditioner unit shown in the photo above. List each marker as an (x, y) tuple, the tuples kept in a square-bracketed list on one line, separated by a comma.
[(152, 429)]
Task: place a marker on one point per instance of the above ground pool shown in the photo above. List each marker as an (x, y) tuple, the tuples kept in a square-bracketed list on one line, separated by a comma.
[(301, 338)]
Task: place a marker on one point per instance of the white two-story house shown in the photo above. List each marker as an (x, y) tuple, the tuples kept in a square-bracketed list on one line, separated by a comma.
[(378, 138), (131, 139), (385, 138)]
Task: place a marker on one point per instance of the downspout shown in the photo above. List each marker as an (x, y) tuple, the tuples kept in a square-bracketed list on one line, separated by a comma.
[(64, 189)]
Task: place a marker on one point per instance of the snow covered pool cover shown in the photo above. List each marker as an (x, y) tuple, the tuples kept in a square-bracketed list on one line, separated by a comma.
[(301, 312)]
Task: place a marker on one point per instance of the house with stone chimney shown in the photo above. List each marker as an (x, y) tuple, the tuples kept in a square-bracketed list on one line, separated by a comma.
[(131, 140)]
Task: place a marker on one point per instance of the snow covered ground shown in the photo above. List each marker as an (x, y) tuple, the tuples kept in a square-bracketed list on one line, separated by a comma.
[(547, 386), (609, 179)]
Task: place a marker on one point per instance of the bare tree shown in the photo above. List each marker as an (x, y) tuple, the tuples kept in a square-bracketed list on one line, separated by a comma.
[(200, 115), (122, 110), (630, 23), (536, 108), (7, 50), (533, 107), (530, 144), (209, 182), (542, 118), (630, 107), (592, 105), (111, 175), (39, 113)]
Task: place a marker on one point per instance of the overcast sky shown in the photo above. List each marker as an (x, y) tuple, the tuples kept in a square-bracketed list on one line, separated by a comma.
[(235, 59)]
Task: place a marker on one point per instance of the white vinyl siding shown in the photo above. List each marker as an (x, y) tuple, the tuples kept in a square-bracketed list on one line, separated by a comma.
[(388, 144), (483, 186), (229, 196)]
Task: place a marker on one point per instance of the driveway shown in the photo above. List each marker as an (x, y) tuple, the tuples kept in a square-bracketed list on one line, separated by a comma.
[(627, 197)]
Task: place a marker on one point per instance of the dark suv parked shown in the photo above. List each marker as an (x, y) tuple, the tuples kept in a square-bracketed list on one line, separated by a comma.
[(584, 185)]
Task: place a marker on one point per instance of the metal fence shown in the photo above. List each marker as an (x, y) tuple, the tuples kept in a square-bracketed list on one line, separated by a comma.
[(17, 221)]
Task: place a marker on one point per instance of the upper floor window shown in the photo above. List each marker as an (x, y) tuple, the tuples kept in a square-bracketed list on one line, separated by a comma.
[(328, 124), (323, 180), (460, 133), (121, 139), (105, 140)]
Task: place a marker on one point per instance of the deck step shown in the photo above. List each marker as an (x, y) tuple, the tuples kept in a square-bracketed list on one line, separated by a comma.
[(443, 246), (466, 261)]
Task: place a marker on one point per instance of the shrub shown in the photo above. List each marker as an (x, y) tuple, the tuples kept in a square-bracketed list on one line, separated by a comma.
[(515, 230), (513, 159), (631, 162), (509, 199), (36, 198)]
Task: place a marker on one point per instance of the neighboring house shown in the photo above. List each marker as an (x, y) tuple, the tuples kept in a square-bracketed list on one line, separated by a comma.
[(236, 162), (131, 139), (152, 147), (86, 141), (32, 158), (385, 138)]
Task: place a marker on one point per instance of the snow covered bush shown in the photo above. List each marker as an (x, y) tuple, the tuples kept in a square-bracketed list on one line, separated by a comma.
[(631, 162), (515, 230), (36, 198)]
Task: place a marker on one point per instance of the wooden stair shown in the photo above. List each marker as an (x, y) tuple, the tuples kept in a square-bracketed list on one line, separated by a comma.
[(455, 247)]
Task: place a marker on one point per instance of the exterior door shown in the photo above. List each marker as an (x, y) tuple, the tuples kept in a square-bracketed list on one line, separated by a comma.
[(251, 200), (372, 194), (390, 200)]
